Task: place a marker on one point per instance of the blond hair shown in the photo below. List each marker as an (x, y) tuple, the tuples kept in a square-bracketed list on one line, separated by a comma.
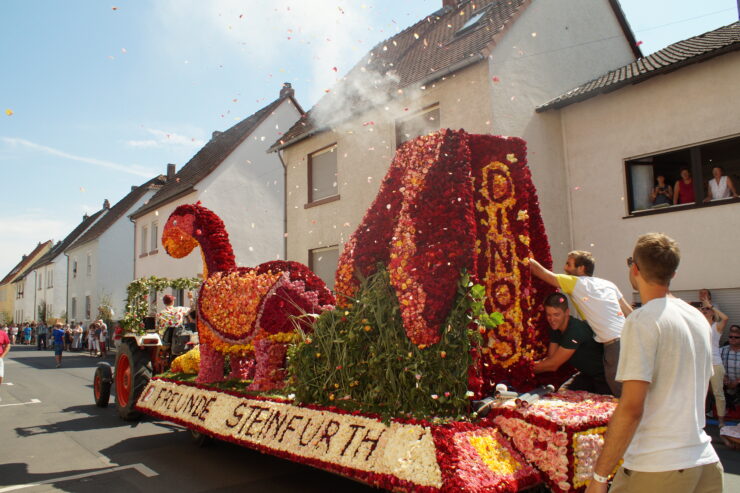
[(657, 257)]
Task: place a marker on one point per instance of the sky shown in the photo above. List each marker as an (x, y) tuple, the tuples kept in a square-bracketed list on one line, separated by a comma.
[(98, 96)]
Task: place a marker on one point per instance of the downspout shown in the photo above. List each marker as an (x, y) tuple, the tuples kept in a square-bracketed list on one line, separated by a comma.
[(66, 293), (285, 205), (134, 249)]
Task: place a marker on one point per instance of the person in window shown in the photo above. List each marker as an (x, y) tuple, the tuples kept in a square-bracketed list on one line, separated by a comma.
[(720, 186), (718, 321), (683, 192), (662, 194), (572, 340), (730, 355)]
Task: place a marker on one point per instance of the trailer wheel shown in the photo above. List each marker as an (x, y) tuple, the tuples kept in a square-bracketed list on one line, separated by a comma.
[(102, 383), (133, 372), (199, 439)]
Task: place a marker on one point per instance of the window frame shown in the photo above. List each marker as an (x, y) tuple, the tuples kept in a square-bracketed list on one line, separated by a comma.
[(311, 252), (695, 166), (154, 238), (88, 266), (144, 232), (406, 118), (73, 307), (310, 202), (88, 307)]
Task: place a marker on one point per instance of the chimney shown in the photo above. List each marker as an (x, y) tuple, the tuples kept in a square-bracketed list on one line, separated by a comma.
[(133, 187), (85, 216), (450, 3), (25, 257), (215, 134), (287, 89), (170, 171), (106, 204)]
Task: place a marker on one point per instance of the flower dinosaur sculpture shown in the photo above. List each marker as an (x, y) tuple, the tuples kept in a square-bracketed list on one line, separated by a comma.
[(247, 313)]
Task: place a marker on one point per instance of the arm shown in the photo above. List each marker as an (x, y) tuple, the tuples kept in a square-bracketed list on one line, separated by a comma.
[(675, 193), (541, 273), (551, 350), (7, 349), (722, 323), (626, 307), (621, 429), (669, 193), (552, 363), (653, 194), (731, 186)]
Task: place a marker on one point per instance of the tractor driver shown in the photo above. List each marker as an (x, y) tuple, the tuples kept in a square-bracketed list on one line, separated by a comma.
[(172, 316)]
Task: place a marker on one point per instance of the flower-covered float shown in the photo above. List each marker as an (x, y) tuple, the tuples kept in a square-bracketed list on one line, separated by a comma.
[(434, 306)]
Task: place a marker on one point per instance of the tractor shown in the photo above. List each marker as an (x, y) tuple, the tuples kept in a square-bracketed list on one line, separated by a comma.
[(138, 357)]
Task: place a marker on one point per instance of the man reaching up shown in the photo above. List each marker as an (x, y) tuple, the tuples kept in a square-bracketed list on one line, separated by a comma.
[(598, 301)]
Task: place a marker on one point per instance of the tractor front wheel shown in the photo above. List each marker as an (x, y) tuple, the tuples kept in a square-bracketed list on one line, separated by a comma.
[(102, 383), (133, 372)]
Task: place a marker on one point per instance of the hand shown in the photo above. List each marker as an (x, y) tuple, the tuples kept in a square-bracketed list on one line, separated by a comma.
[(596, 487)]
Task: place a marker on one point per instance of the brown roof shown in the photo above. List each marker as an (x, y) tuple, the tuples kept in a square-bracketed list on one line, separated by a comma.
[(210, 157), (693, 50), (118, 210), (27, 259), (430, 49), (59, 248)]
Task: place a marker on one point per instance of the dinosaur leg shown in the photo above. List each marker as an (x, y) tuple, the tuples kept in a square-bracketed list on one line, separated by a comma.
[(270, 370), (211, 365), (242, 367)]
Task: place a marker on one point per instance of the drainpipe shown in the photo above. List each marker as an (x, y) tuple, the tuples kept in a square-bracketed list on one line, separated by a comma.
[(134, 249), (285, 204), (66, 293)]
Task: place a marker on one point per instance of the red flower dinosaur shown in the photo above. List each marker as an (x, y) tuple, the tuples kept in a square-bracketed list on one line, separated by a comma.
[(244, 312)]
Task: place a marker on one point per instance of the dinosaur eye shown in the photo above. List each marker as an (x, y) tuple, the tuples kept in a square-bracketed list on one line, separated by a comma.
[(174, 223)]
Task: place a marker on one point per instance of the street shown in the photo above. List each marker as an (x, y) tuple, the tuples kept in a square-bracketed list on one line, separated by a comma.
[(55, 439)]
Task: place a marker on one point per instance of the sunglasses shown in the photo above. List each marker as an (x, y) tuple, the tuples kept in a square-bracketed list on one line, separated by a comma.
[(733, 337), (630, 262)]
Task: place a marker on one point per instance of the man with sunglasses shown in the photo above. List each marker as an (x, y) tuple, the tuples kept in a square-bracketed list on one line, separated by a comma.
[(664, 366), (730, 356)]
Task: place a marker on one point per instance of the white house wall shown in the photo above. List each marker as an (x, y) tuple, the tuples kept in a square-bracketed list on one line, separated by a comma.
[(551, 48), (84, 285), (695, 104)]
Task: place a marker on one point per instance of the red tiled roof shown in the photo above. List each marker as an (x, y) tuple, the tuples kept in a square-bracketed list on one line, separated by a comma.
[(118, 210), (689, 51), (27, 259), (209, 158), (430, 49)]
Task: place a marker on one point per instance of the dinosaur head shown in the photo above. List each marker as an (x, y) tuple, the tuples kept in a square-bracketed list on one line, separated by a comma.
[(181, 233)]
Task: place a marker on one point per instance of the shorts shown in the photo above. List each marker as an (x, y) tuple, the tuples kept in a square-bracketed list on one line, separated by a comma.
[(58, 348), (2, 367)]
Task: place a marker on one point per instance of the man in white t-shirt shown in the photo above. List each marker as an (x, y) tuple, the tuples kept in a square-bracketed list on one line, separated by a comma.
[(665, 366), (597, 301)]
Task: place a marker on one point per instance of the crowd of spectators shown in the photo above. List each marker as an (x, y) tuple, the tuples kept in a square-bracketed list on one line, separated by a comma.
[(94, 338), (719, 187)]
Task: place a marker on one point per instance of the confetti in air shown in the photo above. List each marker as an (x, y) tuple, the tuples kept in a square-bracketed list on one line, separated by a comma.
[(9, 112)]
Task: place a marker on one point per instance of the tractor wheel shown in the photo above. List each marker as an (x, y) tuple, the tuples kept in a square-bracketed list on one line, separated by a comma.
[(199, 439), (102, 383), (133, 372)]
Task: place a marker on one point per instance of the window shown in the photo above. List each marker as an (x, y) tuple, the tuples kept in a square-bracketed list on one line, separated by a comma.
[(152, 300), (652, 181), (88, 308), (39, 280), (322, 175), (50, 278), (144, 234), (73, 308), (179, 295), (323, 261), (48, 311), (19, 290), (74, 269), (89, 264), (155, 238), (422, 123), (473, 22)]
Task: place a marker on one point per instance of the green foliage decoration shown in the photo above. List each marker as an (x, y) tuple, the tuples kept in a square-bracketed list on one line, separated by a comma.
[(137, 299), (360, 359)]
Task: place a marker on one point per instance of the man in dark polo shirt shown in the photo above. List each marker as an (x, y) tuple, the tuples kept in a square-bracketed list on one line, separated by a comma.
[(572, 341)]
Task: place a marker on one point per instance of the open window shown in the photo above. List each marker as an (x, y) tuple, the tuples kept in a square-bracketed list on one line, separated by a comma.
[(681, 179)]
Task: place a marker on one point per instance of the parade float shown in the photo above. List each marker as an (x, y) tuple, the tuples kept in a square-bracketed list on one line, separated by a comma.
[(434, 309)]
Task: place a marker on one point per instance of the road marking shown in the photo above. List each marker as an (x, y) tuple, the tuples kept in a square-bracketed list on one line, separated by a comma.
[(7, 383), (141, 468), (32, 401)]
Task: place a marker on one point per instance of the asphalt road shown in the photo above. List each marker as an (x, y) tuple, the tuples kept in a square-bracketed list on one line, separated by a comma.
[(54, 438)]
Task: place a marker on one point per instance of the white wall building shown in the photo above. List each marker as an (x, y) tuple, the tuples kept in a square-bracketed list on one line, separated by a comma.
[(101, 261), (483, 66), (44, 284), (235, 177)]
